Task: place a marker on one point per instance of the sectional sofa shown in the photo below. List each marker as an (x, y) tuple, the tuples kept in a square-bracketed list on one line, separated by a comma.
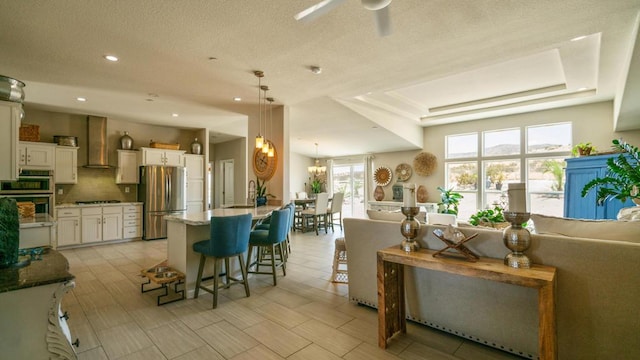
[(597, 295)]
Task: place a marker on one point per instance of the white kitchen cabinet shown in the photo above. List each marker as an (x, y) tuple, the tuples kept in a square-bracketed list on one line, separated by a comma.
[(153, 156), (36, 236), (9, 133), (132, 221), (68, 224), (66, 171), (37, 156), (127, 172), (195, 182), (111, 223), (101, 223)]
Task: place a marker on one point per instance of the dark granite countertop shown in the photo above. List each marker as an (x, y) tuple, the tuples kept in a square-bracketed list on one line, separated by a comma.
[(53, 268)]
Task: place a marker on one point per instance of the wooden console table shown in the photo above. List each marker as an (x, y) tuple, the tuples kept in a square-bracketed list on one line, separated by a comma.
[(391, 296)]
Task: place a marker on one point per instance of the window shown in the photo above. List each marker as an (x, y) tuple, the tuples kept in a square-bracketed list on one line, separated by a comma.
[(531, 154), (349, 179)]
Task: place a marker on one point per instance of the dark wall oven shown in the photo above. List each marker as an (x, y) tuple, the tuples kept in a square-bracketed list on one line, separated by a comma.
[(34, 186), (29, 182)]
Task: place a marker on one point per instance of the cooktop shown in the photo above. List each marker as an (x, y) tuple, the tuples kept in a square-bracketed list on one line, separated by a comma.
[(98, 202)]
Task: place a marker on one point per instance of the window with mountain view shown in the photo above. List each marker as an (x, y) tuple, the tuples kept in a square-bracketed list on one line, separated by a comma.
[(481, 165)]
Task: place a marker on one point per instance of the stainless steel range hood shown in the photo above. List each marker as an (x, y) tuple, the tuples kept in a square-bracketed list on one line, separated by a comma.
[(97, 148)]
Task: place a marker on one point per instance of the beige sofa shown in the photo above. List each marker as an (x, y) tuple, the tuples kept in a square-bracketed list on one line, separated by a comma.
[(597, 297)]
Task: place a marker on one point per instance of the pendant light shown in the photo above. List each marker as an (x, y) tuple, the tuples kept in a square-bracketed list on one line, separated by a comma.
[(271, 152), (265, 144), (259, 139)]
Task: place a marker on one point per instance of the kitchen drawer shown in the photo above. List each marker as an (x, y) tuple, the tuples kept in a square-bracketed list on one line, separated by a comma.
[(67, 212), (132, 216), (132, 232), (112, 210), (94, 210), (132, 209), (134, 222)]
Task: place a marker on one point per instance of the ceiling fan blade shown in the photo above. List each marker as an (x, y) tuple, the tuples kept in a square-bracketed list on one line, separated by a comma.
[(317, 10), (383, 21)]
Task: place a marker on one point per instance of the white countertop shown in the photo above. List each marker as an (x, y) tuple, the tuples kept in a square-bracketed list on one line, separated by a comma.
[(37, 221), (71, 205), (204, 218)]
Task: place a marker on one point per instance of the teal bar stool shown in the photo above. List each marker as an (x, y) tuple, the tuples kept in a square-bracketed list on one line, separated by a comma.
[(265, 226), (270, 241), (229, 237)]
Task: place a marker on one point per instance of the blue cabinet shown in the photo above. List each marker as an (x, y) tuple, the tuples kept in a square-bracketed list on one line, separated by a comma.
[(578, 173)]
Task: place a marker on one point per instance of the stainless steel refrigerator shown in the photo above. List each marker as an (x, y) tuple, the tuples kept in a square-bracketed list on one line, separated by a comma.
[(162, 189)]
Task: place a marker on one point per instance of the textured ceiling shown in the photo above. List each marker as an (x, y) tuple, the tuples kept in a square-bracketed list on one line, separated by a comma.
[(445, 61)]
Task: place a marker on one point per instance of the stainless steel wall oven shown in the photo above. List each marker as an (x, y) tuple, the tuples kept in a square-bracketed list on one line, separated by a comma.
[(34, 186), (29, 182)]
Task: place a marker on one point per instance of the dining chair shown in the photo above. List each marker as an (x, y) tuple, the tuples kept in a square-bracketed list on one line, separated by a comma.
[(229, 237), (271, 241), (318, 213), (335, 208)]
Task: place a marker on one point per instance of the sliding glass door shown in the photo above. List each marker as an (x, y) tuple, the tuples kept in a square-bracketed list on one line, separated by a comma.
[(349, 179)]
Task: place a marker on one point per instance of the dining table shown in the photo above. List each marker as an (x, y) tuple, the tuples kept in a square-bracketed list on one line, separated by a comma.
[(301, 205), (185, 229)]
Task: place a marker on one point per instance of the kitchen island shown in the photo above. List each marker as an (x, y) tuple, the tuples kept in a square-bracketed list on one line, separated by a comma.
[(32, 326), (184, 230)]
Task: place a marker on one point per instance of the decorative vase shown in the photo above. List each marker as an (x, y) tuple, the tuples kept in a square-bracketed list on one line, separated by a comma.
[(422, 194), (378, 193), (409, 228), (261, 201), (126, 142), (196, 147), (397, 192), (517, 239)]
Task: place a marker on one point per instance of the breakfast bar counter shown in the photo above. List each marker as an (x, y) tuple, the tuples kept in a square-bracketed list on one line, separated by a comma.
[(183, 230)]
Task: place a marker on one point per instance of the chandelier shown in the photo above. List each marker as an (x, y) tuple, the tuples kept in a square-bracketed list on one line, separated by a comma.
[(316, 169)]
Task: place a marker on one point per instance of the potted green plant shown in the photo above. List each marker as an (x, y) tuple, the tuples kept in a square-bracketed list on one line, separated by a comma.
[(261, 193), (316, 186), (449, 201), (489, 218), (583, 149), (622, 179)]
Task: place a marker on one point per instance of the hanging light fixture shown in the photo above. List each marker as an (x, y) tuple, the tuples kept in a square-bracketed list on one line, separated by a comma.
[(316, 169), (265, 143), (259, 139), (272, 149)]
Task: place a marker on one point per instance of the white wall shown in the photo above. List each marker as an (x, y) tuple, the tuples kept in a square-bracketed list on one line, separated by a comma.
[(298, 171)]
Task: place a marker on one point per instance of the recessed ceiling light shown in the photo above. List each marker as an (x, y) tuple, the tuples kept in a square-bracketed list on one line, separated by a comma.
[(316, 69), (175, 115), (111, 58), (81, 99), (237, 98), (578, 38)]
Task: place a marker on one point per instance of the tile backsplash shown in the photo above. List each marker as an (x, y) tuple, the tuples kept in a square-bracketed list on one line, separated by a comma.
[(96, 184)]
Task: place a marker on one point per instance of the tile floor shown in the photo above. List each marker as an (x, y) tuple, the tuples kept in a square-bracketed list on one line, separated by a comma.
[(305, 317)]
